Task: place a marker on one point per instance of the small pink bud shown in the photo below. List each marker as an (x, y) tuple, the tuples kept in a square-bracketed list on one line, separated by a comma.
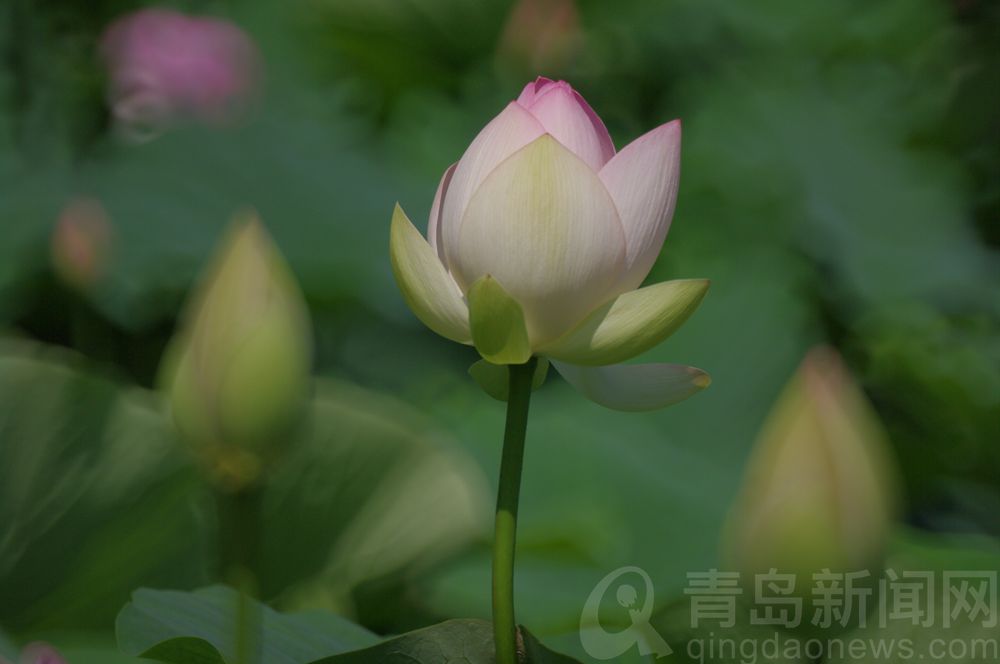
[(81, 242), (41, 653), (542, 35)]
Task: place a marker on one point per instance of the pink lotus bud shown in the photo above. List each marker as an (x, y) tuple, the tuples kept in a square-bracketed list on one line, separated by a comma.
[(41, 653), (617, 207), (164, 65), (542, 34), (81, 242)]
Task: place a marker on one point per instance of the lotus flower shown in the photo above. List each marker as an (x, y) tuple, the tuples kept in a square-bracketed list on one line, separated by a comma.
[(164, 65), (538, 239)]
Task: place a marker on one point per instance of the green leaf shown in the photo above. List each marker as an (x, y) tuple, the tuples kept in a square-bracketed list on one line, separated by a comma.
[(497, 323), (458, 641), (97, 498), (391, 491), (495, 378), (95, 494), (200, 628)]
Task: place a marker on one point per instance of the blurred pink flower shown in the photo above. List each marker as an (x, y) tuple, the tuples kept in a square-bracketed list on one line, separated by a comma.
[(164, 65), (81, 242), (41, 653), (542, 35)]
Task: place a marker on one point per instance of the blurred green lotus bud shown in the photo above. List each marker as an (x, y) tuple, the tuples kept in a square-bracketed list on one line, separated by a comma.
[(238, 371), (820, 486)]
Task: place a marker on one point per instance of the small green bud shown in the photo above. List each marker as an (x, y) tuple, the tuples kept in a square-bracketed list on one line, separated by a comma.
[(238, 369), (820, 486)]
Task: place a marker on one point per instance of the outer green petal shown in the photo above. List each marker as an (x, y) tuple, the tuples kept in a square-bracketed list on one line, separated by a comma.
[(630, 324), (495, 378), (497, 323), (427, 287), (635, 387)]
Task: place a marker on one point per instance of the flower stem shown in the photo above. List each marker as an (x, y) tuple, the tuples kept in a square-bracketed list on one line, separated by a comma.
[(239, 547), (239, 531), (519, 397)]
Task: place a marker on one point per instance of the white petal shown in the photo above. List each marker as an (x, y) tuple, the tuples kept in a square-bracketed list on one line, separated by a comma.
[(565, 115), (642, 180), (635, 387), (428, 289), (543, 225), (434, 222), (503, 136)]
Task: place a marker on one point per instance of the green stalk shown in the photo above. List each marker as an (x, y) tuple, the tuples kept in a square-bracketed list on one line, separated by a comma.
[(504, 625), (239, 531), (239, 549)]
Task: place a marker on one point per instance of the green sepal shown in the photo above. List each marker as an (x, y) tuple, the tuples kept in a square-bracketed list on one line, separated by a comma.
[(497, 323), (495, 378)]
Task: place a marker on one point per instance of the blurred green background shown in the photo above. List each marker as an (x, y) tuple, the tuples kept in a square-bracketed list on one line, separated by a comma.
[(840, 184)]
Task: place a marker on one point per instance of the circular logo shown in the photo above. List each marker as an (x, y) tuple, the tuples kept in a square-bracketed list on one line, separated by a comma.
[(602, 644)]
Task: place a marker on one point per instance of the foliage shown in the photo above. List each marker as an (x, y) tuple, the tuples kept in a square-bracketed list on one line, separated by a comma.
[(170, 626), (839, 183), (105, 500)]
